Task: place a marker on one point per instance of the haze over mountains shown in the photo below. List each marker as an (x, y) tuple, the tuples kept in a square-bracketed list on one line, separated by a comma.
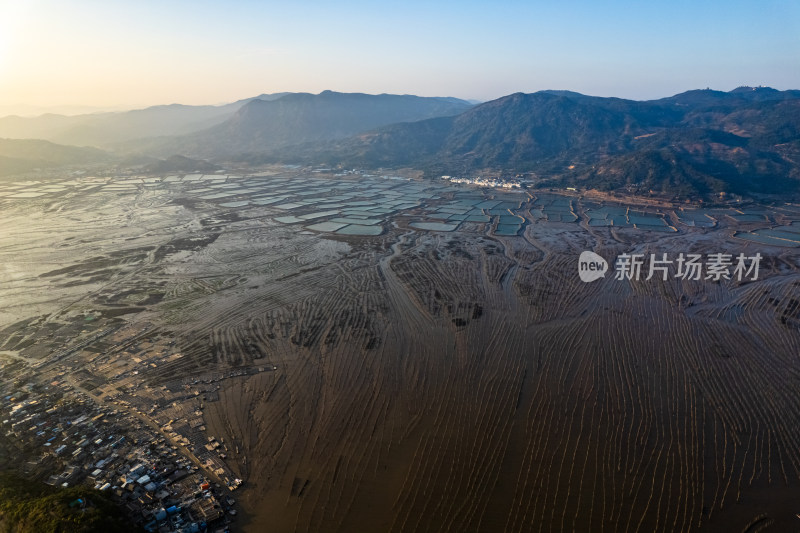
[(700, 142), (302, 117), (106, 129), (24, 155)]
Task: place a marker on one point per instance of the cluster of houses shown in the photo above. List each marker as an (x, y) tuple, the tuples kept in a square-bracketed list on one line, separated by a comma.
[(485, 182), (69, 440)]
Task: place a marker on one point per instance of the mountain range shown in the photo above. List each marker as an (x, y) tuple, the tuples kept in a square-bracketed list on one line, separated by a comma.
[(298, 118), (746, 141), (104, 130), (699, 142), (25, 155)]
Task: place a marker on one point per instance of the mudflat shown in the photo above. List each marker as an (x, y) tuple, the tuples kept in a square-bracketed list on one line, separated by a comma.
[(440, 366)]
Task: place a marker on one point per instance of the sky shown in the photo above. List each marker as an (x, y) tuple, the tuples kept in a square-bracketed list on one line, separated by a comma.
[(77, 54)]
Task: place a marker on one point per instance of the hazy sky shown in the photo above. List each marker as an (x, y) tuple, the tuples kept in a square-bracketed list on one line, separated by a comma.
[(136, 53)]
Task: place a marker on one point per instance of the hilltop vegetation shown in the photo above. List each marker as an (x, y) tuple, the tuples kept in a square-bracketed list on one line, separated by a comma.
[(31, 507)]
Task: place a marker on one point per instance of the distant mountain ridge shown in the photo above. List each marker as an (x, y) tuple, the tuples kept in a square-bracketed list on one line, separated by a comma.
[(698, 142), (24, 155), (106, 129), (303, 117), (297, 118)]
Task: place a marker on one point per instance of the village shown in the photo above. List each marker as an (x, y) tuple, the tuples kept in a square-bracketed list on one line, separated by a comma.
[(485, 182), (70, 433)]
